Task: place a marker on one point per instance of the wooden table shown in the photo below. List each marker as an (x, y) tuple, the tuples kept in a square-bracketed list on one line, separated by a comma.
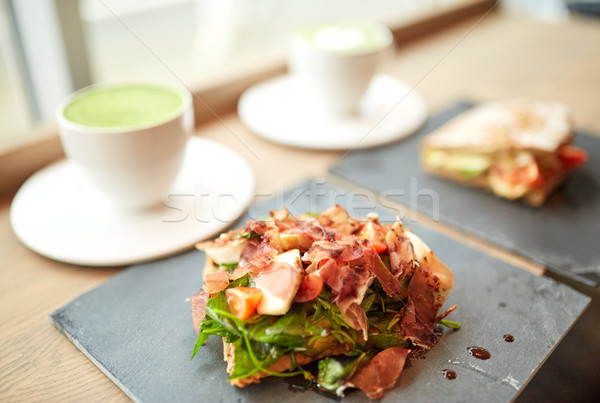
[(494, 58)]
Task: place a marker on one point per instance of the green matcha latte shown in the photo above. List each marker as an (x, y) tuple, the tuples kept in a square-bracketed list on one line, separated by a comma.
[(123, 106)]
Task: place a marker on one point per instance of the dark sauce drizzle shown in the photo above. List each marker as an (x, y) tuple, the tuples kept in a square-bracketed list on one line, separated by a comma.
[(449, 374), (479, 352)]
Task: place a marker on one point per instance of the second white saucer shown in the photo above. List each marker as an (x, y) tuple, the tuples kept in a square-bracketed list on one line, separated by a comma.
[(278, 110), (56, 213)]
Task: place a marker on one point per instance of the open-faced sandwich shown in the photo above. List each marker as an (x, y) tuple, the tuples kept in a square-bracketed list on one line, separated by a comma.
[(517, 149), (285, 291)]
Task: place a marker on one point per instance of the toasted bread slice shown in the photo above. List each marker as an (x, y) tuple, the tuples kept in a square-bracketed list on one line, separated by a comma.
[(508, 125), (283, 364), (535, 197)]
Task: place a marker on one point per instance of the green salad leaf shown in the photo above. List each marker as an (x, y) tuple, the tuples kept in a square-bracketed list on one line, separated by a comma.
[(244, 281), (331, 371), (260, 340), (229, 266), (246, 235), (450, 324), (333, 374), (382, 341)]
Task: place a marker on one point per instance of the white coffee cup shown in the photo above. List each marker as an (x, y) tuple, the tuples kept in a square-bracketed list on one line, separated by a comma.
[(333, 63), (129, 145)]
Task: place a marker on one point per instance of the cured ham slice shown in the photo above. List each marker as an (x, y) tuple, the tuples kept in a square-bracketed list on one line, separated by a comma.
[(345, 251), (258, 227), (348, 287), (199, 302), (215, 282), (429, 288), (337, 218), (283, 220), (381, 373), (256, 254), (401, 252), (356, 253), (279, 281), (390, 284)]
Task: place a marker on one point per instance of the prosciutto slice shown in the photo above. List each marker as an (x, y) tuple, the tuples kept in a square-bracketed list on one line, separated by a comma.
[(199, 302), (361, 254), (348, 287), (401, 251), (345, 251), (337, 218), (316, 232), (427, 292), (283, 220), (216, 282), (381, 373), (390, 284), (259, 227), (256, 254)]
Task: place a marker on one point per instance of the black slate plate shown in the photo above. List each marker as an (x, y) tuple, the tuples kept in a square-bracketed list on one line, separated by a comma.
[(562, 235), (137, 328)]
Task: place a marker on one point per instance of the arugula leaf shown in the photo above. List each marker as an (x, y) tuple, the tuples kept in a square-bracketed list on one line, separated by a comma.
[(218, 311), (256, 356), (243, 281), (367, 302), (244, 365), (263, 332), (393, 321), (229, 266), (252, 357), (259, 341), (199, 343), (450, 324), (246, 235), (313, 214), (209, 327), (331, 372), (290, 331), (386, 261), (333, 375), (406, 281), (382, 341), (329, 311), (215, 323)]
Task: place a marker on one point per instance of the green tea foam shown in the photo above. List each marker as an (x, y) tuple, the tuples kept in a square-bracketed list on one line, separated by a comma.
[(123, 106)]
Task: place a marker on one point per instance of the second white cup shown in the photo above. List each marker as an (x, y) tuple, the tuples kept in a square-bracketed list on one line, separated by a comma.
[(334, 62)]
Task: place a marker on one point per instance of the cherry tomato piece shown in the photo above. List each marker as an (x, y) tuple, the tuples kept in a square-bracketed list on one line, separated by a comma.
[(310, 288), (374, 233), (242, 301), (572, 157)]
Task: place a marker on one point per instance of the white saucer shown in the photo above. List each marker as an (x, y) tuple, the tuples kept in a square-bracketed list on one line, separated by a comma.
[(278, 110), (58, 215)]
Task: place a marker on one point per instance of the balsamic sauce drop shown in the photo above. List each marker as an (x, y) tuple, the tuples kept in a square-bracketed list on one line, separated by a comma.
[(509, 338), (449, 374), (479, 352)]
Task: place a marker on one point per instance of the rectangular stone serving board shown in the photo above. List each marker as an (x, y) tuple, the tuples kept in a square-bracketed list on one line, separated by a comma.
[(137, 327)]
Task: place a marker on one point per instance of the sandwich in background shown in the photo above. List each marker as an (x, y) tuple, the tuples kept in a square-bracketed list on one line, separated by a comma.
[(517, 149)]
